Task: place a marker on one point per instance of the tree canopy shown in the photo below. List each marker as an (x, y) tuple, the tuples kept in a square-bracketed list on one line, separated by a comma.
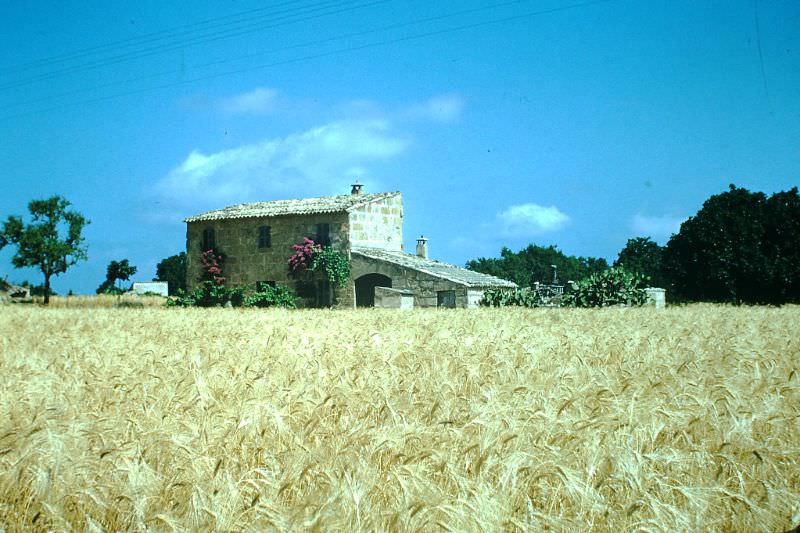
[(642, 255), (173, 271), (740, 247), (52, 241), (116, 272), (533, 263)]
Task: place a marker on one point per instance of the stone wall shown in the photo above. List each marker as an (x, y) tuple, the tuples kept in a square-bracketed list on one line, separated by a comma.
[(245, 262), (474, 297), (386, 298), (423, 286), (378, 224)]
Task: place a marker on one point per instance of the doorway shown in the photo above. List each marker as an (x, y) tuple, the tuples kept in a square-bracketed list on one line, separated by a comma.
[(365, 288)]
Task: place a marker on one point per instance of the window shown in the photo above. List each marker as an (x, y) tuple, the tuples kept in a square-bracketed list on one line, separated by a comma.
[(260, 285), (209, 243), (446, 298), (264, 237), (324, 234)]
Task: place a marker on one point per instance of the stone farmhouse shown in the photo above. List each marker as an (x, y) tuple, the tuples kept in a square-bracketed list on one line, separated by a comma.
[(257, 239)]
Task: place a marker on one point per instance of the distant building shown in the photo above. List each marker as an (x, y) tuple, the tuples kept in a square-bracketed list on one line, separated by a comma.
[(257, 240), (143, 288)]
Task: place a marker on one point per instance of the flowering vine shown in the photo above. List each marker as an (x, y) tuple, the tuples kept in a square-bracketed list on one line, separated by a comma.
[(312, 257), (212, 265)]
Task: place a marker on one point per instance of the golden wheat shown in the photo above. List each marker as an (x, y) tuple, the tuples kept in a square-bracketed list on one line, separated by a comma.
[(489, 419)]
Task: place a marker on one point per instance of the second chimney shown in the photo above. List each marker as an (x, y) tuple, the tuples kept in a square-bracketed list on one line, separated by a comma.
[(356, 188), (422, 247)]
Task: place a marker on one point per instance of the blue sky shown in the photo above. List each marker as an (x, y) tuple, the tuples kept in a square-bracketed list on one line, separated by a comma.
[(580, 124)]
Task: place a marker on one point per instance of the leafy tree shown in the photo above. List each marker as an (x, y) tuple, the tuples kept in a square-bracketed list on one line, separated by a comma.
[(173, 271), (116, 272), (782, 246), (533, 264), (643, 255), (741, 247), (53, 241)]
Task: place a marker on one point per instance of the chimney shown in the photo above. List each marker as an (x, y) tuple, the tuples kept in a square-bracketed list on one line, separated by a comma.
[(422, 247), (356, 188)]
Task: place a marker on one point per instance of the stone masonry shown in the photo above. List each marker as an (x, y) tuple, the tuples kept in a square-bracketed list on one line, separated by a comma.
[(246, 262), (357, 225)]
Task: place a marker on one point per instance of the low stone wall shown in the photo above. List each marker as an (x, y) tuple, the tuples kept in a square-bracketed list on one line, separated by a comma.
[(656, 297), (387, 298)]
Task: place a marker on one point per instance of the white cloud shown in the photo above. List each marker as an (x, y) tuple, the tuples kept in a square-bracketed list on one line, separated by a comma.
[(442, 108), (260, 101), (315, 162), (656, 226), (531, 219)]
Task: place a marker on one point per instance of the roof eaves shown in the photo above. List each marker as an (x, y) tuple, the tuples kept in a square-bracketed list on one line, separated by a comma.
[(229, 212), (374, 198), (388, 258)]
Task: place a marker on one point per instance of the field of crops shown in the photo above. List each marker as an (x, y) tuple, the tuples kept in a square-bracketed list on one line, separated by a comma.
[(491, 419)]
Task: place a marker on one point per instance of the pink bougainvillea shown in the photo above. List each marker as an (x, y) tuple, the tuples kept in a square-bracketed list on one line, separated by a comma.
[(212, 265), (303, 255)]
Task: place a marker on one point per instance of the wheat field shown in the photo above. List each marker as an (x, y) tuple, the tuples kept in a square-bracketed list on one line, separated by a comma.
[(155, 419)]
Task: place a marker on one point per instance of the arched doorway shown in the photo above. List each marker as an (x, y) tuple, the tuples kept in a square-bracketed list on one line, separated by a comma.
[(365, 288)]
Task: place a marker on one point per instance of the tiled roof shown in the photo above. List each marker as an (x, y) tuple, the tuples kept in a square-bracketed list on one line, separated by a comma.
[(437, 269), (306, 206)]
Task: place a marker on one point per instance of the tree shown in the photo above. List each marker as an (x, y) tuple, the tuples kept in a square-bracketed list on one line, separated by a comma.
[(741, 247), (782, 245), (533, 264), (173, 271), (642, 255), (53, 241), (116, 272)]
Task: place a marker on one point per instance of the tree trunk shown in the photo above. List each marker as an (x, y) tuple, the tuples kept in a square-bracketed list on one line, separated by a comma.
[(46, 289)]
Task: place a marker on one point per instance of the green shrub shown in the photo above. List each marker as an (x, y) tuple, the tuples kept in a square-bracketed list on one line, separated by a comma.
[(271, 296), (208, 294), (525, 297), (615, 286), (212, 294)]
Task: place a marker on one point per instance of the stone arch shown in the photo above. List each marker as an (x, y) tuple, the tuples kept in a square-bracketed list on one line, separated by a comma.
[(365, 288)]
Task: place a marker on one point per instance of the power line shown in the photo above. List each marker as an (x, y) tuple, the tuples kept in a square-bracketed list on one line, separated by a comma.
[(760, 53), (379, 29), (203, 39), (319, 56), (147, 37)]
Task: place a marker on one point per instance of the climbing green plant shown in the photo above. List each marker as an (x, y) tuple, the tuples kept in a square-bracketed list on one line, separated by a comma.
[(312, 257), (333, 264)]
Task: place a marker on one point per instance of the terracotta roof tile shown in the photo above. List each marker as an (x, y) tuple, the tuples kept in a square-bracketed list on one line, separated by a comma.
[(437, 269), (306, 206)]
